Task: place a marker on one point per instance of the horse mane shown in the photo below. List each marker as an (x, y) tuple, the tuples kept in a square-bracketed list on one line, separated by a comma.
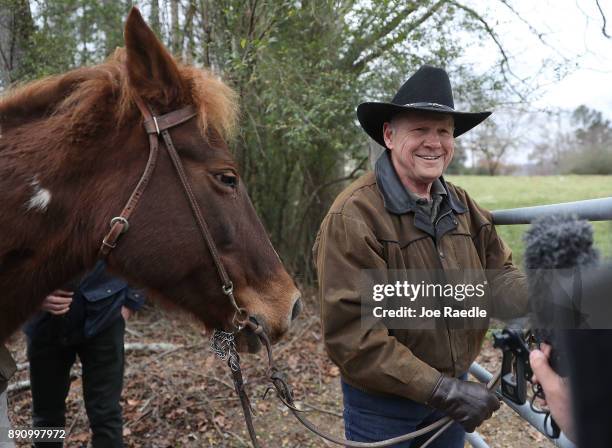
[(74, 97)]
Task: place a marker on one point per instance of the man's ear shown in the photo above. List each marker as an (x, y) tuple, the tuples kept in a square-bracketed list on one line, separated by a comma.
[(151, 69), (388, 132)]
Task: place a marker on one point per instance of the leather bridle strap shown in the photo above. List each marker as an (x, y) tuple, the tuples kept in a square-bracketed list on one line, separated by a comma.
[(241, 315), (156, 126), (120, 224)]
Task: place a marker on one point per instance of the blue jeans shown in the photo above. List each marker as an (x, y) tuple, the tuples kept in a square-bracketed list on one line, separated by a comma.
[(372, 418)]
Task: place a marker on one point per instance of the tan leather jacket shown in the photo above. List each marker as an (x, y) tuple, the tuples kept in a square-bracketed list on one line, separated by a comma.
[(374, 224)]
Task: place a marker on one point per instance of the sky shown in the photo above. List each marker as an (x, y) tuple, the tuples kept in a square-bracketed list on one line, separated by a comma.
[(572, 32), (573, 66)]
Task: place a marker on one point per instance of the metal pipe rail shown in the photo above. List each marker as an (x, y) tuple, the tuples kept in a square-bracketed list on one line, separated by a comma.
[(590, 209), (525, 412), (475, 440)]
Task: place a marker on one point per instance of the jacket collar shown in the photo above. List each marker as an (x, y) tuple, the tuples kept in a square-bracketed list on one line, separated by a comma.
[(395, 197)]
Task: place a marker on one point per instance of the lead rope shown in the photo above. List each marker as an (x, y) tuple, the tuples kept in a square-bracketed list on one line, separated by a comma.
[(223, 345)]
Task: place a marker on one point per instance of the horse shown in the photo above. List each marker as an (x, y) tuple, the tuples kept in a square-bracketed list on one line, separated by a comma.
[(72, 150)]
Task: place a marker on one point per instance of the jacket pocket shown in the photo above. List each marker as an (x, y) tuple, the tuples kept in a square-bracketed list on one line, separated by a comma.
[(104, 290), (103, 305)]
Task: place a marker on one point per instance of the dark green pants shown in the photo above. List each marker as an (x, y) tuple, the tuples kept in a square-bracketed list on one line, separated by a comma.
[(102, 358)]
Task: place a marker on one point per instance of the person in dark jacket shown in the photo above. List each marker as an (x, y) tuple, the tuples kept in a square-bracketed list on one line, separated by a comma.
[(86, 318)]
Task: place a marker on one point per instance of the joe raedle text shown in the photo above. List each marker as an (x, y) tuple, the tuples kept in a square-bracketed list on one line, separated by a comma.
[(423, 300), (427, 313)]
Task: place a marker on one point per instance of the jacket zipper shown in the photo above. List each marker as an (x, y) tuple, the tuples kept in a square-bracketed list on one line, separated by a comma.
[(448, 332)]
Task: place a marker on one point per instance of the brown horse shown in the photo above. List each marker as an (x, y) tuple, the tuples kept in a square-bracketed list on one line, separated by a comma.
[(72, 148)]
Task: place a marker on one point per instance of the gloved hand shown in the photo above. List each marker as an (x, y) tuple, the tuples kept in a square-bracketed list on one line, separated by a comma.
[(466, 402)]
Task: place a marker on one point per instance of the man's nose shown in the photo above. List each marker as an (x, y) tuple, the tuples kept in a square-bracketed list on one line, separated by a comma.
[(432, 140)]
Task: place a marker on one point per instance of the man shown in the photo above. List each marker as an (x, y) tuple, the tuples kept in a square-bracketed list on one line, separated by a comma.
[(86, 319), (405, 216), (7, 369)]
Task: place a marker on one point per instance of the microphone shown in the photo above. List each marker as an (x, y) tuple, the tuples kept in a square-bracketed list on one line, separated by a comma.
[(558, 248)]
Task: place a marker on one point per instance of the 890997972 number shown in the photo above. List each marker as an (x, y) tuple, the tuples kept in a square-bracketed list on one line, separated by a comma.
[(35, 434)]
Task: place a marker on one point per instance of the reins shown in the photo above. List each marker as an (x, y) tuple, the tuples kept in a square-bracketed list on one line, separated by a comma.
[(223, 345)]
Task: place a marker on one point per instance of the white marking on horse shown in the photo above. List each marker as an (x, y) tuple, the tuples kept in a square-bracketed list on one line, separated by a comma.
[(41, 197)]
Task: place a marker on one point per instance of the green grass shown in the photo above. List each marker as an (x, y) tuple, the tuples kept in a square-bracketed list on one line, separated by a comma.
[(500, 192)]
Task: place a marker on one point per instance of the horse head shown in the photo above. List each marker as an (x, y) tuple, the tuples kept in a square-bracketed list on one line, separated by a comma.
[(90, 148)]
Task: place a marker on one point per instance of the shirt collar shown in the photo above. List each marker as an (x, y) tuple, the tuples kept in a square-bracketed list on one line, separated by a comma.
[(437, 189), (397, 199)]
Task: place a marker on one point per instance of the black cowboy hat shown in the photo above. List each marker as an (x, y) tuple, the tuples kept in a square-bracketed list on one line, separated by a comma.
[(428, 90)]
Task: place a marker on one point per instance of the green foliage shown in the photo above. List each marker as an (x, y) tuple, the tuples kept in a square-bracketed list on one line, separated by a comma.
[(300, 68), (591, 144), (592, 160), (585, 149), (71, 33)]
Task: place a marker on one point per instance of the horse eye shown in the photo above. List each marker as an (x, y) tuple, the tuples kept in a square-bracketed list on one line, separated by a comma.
[(228, 179)]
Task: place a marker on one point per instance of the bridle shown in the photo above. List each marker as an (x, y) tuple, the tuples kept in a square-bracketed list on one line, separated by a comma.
[(223, 342), (156, 126)]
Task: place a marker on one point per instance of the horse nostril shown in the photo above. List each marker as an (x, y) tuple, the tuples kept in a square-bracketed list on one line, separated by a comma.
[(297, 308)]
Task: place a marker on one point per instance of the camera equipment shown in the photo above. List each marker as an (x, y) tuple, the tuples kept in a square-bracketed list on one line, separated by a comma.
[(557, 248), (516, 371)]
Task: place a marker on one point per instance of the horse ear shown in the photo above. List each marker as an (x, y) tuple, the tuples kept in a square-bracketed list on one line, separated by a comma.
[(151, 69)]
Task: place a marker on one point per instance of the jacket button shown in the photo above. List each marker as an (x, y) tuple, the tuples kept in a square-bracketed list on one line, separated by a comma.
[(109, 291), (441, 254), (455, 221)]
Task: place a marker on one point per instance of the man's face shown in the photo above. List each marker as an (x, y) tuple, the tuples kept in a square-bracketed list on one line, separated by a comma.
[(421, 144)]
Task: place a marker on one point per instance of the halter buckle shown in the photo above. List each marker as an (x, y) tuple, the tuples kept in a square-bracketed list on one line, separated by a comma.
[(228, 288), (156, 125), (122, 220)]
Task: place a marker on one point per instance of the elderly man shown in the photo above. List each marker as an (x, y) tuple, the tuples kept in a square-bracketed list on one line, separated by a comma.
[(405, 216)]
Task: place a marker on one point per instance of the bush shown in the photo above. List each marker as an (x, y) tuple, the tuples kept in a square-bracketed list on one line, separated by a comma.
[(595, 161)]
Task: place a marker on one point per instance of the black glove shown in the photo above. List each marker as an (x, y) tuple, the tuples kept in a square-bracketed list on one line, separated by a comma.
[(466, 402)]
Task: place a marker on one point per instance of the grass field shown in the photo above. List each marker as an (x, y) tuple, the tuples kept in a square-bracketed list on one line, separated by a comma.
[(500, 192)]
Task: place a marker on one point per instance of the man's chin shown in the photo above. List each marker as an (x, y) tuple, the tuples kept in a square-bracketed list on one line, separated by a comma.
[(429, 177)]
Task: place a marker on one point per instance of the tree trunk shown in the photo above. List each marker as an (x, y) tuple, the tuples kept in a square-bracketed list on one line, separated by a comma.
[(175, 34), (154, 17), (16, 27), (189, 46)]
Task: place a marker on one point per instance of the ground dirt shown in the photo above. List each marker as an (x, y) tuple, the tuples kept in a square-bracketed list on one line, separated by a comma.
[(183, 397)]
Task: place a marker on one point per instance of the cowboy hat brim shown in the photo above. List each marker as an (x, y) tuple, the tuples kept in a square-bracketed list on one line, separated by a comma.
[(373, 115)]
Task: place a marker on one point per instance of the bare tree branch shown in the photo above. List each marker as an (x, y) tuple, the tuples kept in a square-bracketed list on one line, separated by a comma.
[(328, 184), (505, 63), (532, 28), (360, 64), (360, 44), (603, 17)]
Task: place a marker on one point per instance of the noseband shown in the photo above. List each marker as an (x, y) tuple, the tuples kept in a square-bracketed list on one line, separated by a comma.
[(156, 126)]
